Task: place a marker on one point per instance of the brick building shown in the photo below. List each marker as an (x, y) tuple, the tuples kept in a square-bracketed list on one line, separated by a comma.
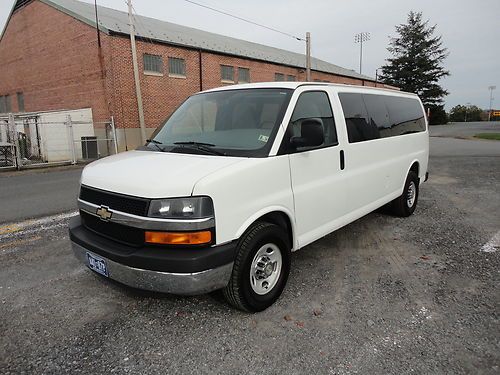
[(50, 59)]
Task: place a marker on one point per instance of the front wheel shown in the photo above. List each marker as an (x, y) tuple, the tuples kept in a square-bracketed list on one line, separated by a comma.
[(260, 269), (405, 204)]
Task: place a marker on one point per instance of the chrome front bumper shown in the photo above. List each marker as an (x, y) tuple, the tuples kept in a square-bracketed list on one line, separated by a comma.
[(165, 282)]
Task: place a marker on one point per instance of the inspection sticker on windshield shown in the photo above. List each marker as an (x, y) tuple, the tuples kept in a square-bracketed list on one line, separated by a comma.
[(263, 138)]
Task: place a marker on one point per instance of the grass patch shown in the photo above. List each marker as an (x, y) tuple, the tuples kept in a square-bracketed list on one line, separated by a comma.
[(491, 136)]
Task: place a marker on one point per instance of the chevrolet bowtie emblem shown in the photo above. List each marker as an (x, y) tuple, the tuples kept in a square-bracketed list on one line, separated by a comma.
[(104, 213)]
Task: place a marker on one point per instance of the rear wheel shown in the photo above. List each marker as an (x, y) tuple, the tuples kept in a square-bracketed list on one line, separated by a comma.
[(260, 269), (405, 204)]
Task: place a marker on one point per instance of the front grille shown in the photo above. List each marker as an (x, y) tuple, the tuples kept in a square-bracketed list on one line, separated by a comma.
[(117, 232), (118, 202)]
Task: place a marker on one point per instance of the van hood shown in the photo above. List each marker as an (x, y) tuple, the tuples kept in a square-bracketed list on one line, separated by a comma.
[(152, 174)]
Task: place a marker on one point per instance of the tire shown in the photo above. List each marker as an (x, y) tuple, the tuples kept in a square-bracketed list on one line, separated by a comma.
[(264, 251), (405, 205)]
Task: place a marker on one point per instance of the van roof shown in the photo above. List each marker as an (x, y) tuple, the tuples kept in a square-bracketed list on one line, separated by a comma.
[(295, 84)]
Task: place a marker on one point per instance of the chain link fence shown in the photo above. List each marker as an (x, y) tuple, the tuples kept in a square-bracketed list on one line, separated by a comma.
[(31, 140), (7, 145)]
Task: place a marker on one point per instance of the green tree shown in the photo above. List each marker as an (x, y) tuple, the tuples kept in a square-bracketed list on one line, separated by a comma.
[(416, 62), (438, 116), (461, 113)]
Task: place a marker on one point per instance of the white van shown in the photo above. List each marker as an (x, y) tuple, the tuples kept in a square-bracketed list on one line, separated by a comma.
[(239, 177)]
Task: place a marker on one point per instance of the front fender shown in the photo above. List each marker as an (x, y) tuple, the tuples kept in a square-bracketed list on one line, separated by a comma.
[(255, 217)]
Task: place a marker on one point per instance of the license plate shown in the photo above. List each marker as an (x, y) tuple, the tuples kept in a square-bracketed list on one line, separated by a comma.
[(97, 264)]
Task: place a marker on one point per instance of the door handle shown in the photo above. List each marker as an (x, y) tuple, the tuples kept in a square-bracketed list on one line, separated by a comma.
[(342, 160)]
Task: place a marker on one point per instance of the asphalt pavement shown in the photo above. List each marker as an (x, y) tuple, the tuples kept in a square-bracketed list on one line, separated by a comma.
[(465, 129), (383, 295), (38, 193), (457, 140)]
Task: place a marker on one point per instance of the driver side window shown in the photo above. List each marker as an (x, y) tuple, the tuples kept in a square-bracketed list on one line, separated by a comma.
[(311, 105)]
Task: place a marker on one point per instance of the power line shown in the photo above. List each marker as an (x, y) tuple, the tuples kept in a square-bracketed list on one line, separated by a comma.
[(307, 39), (245, 20), (139, 23)]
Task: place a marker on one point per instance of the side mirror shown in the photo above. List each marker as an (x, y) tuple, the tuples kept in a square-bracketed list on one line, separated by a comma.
[(311, 134)]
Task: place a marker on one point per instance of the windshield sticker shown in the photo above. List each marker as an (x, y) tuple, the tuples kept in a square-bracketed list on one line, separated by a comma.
[(263, 138)]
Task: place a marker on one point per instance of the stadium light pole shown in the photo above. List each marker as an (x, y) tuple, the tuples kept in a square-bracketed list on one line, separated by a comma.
[(360, 38), (491, 88), (467, 105)]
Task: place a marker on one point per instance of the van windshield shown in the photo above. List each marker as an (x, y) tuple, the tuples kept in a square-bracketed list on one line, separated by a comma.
[(240, 122)]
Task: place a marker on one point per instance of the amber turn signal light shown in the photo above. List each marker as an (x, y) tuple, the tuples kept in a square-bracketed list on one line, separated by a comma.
[(179, 238)]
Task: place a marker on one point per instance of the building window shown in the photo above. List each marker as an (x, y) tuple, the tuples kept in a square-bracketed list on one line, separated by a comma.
[(227, 73), (176, 67), (153, 64), (279, 77), (5, 104), (243, 75), (290, 78), (20, 101)]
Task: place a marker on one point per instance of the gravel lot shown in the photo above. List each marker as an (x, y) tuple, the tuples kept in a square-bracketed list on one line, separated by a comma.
[(383, 295)]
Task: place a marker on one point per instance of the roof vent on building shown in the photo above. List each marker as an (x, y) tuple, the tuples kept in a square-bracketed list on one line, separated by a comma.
[(20, 4)]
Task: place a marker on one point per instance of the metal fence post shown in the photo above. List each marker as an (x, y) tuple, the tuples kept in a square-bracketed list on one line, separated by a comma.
[(113, 130), (69, 124), (15, 138)]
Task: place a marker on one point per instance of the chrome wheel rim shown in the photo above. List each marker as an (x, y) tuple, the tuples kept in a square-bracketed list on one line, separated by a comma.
[(265, 269), (411, 196)]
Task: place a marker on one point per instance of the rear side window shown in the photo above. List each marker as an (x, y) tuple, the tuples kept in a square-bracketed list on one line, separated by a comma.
[(370, 116), (314, 104), (406, 115)]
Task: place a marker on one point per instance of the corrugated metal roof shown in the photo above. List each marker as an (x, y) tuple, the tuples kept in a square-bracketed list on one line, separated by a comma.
[(112, 20)]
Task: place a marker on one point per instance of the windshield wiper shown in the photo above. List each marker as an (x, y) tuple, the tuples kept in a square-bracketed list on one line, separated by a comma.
[(156, 143), (194, 143), (207, 147)]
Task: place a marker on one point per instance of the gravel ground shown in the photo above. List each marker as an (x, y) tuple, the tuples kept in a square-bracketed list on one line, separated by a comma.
[(383, 295)]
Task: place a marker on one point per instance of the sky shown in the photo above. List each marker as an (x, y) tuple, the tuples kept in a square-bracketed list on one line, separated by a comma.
[(470, 29)]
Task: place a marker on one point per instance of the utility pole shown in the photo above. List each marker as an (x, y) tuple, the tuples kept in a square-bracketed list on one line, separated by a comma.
[(308, 56), (360, 38), (491, 88), (136, 73)]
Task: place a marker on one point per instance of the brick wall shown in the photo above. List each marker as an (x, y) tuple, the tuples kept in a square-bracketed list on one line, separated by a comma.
[(53, 59), (161, 94)]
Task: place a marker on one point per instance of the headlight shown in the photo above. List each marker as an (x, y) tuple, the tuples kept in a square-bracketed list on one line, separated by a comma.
[(182, 208)]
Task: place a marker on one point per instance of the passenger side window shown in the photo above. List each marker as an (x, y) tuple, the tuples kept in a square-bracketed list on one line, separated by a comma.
[(371, 116), (359, 127), (314, 104)]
